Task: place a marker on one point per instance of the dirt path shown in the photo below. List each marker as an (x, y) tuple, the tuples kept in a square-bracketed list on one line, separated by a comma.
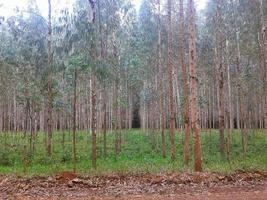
[(239, 186)]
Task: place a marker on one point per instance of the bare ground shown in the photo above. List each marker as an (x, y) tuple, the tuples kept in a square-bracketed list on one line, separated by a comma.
[(191, 186)]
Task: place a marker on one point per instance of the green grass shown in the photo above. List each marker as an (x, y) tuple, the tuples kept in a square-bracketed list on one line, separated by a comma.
[(138, 155)]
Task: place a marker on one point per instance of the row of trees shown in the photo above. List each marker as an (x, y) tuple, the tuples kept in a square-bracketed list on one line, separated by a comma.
[(104, 66)]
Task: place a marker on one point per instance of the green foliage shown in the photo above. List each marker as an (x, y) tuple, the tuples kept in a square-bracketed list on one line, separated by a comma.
[(5, 158), (66, 155), (138, 154)]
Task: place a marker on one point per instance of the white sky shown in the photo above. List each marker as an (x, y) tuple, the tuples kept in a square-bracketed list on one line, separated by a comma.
[(7, 6)]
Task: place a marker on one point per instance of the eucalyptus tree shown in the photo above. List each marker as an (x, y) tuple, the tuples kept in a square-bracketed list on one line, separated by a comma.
[(49, 81), (28, 38), (8, 72), (193, 81), (219, 48), (170, 72), (160, 75), (242, 55), (263, 25), (147, 54), (185, 82)]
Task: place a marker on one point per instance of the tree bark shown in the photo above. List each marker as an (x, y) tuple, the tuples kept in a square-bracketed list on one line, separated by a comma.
[(74, 121), (49, 84), (170, 69), (220, 72), (161, 102), (186, 84), (229, 140), (264, 63), (194, 83), (94, 120), (239, 86), (93, 94)]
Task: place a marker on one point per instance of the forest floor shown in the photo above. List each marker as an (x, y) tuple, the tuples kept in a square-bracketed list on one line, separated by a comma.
[(140, 153), (192, 186)]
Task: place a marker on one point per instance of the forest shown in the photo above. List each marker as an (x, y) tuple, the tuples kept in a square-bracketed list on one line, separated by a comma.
[(133, 98)]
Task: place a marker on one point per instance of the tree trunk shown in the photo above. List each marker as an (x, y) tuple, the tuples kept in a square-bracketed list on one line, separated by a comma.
[(74, 121), (105, 127), (170, 69), (264, 63), (116, 117), (220, 72), (239, 87), (49, 84), (229, 140), (94, 120), (161, 101), (186, 84), (194, 83), (93, 94)]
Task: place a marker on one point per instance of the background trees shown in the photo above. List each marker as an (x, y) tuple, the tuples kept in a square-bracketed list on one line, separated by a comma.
[(104, 66)]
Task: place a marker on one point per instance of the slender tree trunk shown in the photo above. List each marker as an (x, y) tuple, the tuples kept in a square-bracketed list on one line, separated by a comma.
[(239, 87), (116, 117), (264, 63), (161, 85), (105, 126), (229, 140), (103, 55), (194, 83), (94, 120), (49, 85), (170, 69), (14, 112), (186, 84), (93, 94), (220, 71), (74, 121)]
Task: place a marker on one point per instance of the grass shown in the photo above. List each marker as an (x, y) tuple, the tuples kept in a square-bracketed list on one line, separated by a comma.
[(138, 155)]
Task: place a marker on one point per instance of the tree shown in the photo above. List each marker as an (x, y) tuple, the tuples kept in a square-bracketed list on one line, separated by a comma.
[(264, 62), (186, 84), (170, 72), (240, 94), (159, 66), (74, 120), (220, 71), (93, 95), (49, 83), (193, 83)]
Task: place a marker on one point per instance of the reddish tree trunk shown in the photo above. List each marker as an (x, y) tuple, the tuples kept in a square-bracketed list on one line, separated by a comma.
[(186, 83), (264, 57), (194, 83), (74, 121), (93, 94), (161, 101), (94, 120), (220, 72), (170, 69), (49, 85)]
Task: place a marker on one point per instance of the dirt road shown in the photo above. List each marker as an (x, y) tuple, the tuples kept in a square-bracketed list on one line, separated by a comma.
[(210, 186)]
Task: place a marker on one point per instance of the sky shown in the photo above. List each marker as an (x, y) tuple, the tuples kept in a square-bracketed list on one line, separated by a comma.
[(7, 6)]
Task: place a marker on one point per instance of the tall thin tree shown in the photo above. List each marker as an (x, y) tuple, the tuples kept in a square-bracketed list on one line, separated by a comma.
[(186, 84), (170, 71), (162, 114), (74, 121), (49, 83), (264, 63), (92, 4), (220, 71), (193, 83)]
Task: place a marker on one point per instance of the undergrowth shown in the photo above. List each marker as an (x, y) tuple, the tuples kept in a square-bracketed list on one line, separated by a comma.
[(138, 154)]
